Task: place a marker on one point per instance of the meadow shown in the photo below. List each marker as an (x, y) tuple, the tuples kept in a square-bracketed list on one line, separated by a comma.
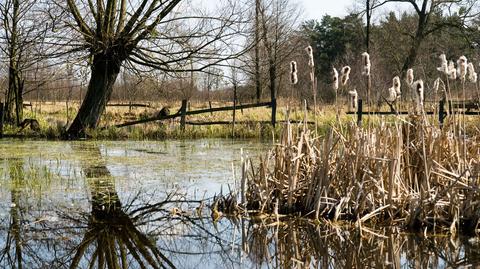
[(250, 123)]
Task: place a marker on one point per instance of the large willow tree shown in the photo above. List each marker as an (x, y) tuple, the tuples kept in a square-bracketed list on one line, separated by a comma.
[(142, 34)]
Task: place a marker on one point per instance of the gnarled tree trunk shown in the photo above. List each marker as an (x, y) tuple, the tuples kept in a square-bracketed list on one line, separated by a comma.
[(105, 69)]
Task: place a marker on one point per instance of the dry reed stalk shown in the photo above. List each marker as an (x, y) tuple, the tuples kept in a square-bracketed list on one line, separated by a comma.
[(410, 173)]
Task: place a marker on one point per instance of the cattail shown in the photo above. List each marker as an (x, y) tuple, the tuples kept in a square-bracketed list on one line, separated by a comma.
[(452, 72), (472, 75), (293, 72), (345, 75), (418, 88), (474, 78), (311, 62), (335, 79), (366, 64), (397, 86), (353, 98), (462, 67), (410, 77), (436, 85), (392, 95), (443, 64)]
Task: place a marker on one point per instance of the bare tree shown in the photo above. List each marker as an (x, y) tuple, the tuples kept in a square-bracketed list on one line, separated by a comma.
[(428, 23), (277, 21), (258, 85), (147, 35), (20, 39), (369, 12)]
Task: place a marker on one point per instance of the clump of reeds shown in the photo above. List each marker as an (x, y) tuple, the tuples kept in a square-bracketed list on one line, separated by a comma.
[(405, 173)]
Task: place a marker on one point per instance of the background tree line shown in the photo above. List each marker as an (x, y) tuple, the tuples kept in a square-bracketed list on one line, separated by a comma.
[(95, 52)]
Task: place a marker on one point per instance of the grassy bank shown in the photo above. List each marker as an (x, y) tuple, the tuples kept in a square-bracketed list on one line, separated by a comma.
[(250, 123)]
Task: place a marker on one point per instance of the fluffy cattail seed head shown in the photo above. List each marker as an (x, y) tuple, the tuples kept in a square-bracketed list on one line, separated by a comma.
[(472, 75), (335, 79), (474, 78), (410, 77), (397, 86), (419, 90), (366, 64), (462, 67), (353, 98), (452, 72), (293, 72), (311, 62), (345, 75), (443, 64), (392, 95)]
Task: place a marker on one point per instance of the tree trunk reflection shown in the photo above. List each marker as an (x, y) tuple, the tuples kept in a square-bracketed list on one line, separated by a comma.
[(112, 238)]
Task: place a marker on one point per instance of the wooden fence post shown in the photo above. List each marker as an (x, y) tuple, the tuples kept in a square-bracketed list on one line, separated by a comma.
[(359, 112), (1, 120), (234, 108), (183, 111), (274, 111), (441, 112)]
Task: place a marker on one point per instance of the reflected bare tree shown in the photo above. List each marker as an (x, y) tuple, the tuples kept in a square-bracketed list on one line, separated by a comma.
[(112, 239), (11, 252)]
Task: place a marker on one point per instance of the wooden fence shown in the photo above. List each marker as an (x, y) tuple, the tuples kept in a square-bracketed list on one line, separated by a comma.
[(183, 113), (454, 107)]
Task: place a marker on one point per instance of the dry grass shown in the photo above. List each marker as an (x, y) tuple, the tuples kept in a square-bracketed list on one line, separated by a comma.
[(54, 120), (408, 172)]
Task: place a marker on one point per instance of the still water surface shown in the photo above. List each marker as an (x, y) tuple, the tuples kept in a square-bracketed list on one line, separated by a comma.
[(145, 205)]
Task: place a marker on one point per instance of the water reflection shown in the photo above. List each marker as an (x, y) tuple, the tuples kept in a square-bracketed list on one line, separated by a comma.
[(111, 236), (12, 251), (138, 228), (302, 244)]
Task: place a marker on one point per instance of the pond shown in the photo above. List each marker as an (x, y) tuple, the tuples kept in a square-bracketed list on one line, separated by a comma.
[(145, 205)]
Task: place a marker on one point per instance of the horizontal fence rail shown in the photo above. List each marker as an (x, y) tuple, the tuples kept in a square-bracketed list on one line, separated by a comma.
[(453, 109), (182, 113)]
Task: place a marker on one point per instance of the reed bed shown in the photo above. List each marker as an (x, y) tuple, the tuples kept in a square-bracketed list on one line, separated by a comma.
[(406, 173)]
